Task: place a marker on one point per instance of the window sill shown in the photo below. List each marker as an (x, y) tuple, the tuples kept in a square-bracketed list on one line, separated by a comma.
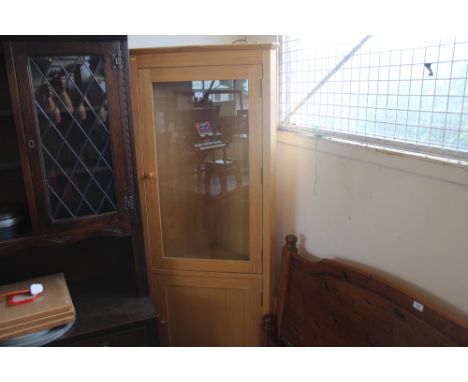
[(448, 170)]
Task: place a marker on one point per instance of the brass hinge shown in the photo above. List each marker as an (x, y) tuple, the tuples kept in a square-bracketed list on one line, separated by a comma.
[(117, 60), (129, 202)]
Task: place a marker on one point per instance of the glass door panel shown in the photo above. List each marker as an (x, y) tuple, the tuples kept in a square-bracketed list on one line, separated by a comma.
[(70, 102), (202, 162)]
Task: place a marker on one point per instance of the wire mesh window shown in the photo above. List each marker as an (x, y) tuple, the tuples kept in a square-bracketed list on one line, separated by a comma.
[(410, 94)]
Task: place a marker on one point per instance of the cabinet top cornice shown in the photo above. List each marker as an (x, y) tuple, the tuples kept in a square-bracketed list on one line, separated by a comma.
[(200, 48)]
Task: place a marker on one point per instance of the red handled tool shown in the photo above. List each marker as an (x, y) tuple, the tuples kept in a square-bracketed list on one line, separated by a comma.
[(24, 296)]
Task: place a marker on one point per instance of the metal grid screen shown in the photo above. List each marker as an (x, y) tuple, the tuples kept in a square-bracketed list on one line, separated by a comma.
[(409, 95)]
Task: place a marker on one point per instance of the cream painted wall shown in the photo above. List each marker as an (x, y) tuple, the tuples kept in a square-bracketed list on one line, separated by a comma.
[(149, 41), (405, 218)]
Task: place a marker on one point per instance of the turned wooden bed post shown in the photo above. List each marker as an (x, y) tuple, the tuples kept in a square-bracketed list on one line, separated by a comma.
[(288, 250), (271, 322)]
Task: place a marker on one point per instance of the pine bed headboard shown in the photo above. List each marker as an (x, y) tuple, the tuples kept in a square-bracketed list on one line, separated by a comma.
[(328, 303)]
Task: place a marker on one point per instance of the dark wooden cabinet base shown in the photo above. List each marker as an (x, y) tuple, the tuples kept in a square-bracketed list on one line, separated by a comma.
[(142, 333), (109, 314)]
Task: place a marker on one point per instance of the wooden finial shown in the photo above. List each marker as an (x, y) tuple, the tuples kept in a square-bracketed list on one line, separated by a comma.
[(291, 241)]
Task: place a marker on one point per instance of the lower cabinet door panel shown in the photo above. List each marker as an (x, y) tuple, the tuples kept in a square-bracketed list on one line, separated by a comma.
[(208, 308)]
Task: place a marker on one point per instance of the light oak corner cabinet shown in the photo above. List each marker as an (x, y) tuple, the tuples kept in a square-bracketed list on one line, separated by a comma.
[(204, 120)]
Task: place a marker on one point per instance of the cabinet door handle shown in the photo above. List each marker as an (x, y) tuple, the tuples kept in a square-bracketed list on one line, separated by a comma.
[(148, 175), (31, 144)]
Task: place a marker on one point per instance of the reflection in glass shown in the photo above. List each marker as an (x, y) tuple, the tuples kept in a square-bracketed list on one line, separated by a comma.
[(203, 168)]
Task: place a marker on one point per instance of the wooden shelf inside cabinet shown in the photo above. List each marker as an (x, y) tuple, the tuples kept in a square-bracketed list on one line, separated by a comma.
[(101, 308), (26, 239), (10, 165), (20, 241)]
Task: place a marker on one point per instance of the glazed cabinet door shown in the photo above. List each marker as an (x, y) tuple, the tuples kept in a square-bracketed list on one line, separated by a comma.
[(202, 155), (208, 308), (71, 113)]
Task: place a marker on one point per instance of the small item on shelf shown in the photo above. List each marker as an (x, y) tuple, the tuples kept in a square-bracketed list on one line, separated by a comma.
[(23, 296), (59, 81), (10, 219), (81, 102), (45, 98), (207, 144), (32, 306), (204, 129), (81, 111), (103, 112)]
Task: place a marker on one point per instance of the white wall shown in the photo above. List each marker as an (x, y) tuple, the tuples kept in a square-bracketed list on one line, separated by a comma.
[(405, 218), (151, 41)]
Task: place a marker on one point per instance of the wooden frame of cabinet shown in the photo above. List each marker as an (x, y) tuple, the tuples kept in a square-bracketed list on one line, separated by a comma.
[(44, 230), (191, 63), (29, 131)]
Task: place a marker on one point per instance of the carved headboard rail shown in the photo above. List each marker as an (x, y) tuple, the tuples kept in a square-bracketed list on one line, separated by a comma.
[(327, 303)]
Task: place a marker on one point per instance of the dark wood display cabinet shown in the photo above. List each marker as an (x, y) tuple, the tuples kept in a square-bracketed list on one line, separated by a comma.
[(67, 178)]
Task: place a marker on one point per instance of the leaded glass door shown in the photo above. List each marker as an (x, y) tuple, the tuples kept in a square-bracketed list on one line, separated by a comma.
[(72, 122)]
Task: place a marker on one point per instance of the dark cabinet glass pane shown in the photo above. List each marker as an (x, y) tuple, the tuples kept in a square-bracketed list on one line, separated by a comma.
[(70, 101)]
